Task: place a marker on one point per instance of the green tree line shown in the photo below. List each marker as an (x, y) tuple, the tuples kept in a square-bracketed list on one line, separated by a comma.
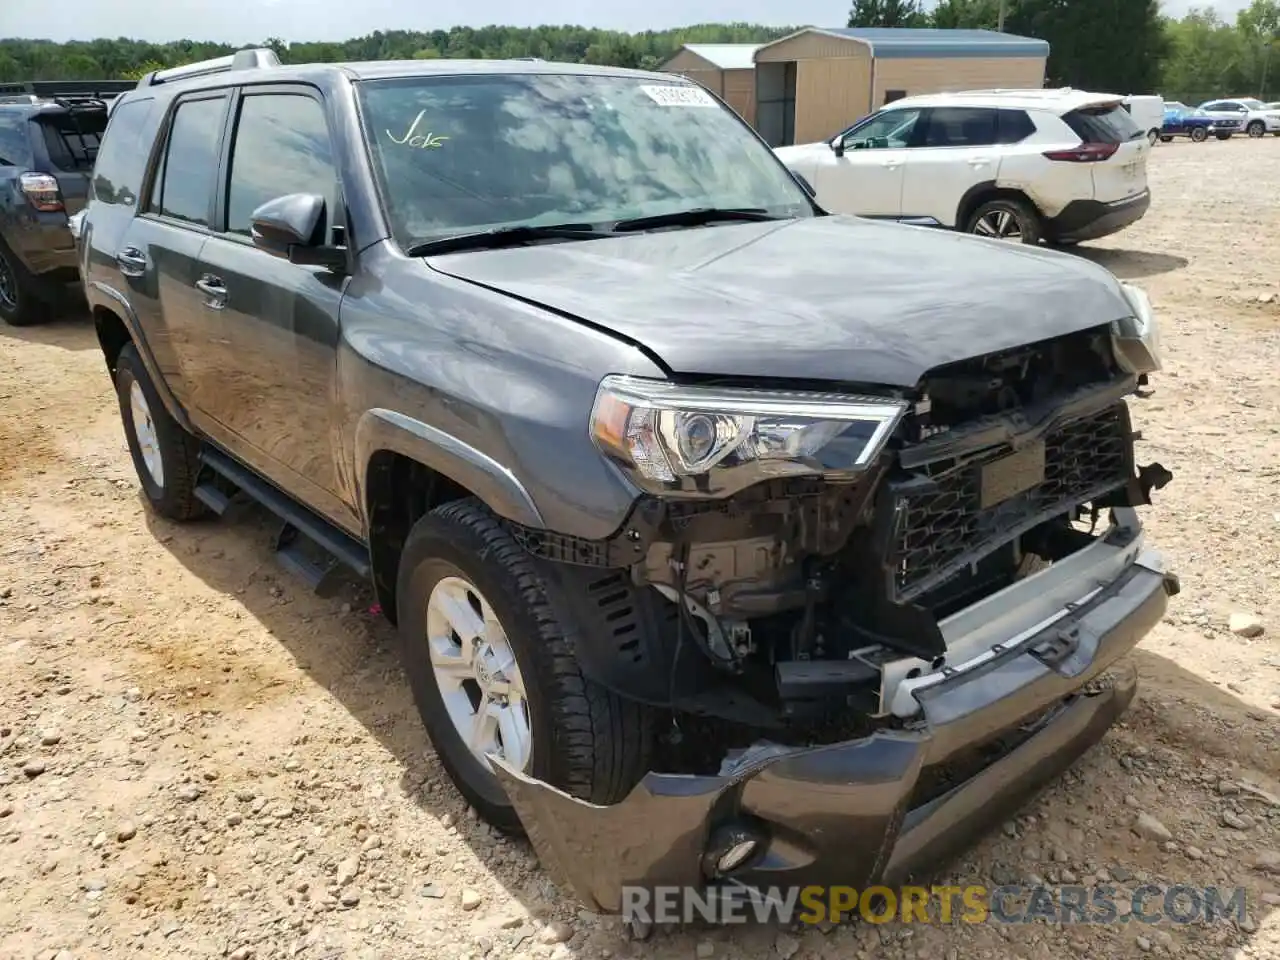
[(1124, 46)]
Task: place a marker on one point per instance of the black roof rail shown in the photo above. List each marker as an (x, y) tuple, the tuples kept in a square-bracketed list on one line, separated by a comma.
[(257, 59), (31, 91)]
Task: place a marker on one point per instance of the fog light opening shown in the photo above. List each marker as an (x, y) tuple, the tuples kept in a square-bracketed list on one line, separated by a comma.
[(730, 848)]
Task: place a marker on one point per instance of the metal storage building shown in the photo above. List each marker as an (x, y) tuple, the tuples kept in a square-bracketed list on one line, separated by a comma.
[(812, 84), (726, 69)]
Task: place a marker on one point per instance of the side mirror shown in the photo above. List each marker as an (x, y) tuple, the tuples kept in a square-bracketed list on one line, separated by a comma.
[(290, 226), (837, 146)]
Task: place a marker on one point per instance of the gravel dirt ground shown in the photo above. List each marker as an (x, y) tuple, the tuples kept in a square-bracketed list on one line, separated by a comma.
[(198, 758)]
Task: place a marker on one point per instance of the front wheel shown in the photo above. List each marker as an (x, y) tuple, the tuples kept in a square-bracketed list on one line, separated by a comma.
[(1153, 136), (1223, 136), (164, 454), (1256, 128), (490, 660), (1199, 134), (1007, 218), (1166, 139)]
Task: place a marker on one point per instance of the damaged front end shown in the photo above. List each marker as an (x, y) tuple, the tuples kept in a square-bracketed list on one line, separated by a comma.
[(874, 622)]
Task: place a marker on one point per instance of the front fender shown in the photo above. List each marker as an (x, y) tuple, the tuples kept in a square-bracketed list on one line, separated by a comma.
[(497, 486)]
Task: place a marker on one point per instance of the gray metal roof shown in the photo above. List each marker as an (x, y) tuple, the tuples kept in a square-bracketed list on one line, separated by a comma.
[(726, 56), (909, 42)]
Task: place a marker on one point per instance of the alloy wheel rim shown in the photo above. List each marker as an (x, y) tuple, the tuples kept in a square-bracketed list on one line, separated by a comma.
[(8, 285), (144, 431), (1256, 130), (999, 225), (476, 671)]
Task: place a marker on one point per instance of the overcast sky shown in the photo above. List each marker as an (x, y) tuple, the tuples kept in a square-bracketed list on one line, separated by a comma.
[(243, 21)]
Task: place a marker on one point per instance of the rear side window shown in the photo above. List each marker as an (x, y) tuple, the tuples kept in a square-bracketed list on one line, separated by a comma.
[(185, 184), (15, 141), (73, 136), (126, 145), (961, 127), (1014, 126), (1110, 124)]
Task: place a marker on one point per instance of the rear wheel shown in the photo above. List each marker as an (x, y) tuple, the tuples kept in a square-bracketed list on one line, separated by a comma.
[(493, 672), (1166, 139), (19, 304), (1007, 218), (164, 454), (1223, 136), (1153, 136), (1256, 128), (1200, 134)]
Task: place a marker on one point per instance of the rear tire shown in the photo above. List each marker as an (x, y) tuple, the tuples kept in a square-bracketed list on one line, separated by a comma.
[(1223, 136), (582, 738), (1166, 139), (20, 303), (1007, 218), (1153, 136), (1199, 134), (164, 454)]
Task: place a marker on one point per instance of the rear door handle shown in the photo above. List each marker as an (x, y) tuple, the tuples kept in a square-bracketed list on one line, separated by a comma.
[(891, 163), (215, 292), (132, 262), (978, 161)]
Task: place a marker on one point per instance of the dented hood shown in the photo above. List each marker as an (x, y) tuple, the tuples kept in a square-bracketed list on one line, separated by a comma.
[(828, 298)]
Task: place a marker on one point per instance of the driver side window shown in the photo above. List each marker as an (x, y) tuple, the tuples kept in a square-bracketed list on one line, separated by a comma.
[(890, 129)]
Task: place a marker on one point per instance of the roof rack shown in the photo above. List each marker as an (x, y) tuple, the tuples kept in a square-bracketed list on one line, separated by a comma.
[(33, 91), (256, 59)]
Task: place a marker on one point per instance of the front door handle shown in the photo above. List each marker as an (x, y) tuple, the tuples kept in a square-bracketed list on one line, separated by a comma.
[(132, 262), (215, 292), (891, 164), (978, 161)]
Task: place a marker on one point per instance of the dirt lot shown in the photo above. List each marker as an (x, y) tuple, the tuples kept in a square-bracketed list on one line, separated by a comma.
[(200, 759)]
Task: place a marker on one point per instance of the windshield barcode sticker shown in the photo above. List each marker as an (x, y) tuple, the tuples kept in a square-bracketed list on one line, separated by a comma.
[(679, 96)]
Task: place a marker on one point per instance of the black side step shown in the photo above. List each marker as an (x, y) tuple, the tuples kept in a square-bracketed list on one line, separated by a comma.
[(308, 545)]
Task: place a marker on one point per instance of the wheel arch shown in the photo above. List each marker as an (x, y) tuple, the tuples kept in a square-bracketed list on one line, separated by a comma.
[(981, 193), (407, 468)]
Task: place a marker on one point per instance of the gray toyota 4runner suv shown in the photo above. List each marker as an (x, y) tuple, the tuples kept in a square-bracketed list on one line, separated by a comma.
[(731, 543)]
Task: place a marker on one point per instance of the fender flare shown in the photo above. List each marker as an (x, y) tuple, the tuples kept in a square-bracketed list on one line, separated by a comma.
[(107, 297), (496, 485)]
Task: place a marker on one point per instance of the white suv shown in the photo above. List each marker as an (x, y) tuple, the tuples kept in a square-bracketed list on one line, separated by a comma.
[(1256, 118), (1028, 165)]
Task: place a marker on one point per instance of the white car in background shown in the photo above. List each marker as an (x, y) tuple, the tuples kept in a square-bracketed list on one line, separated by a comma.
[(1256, 118), (1028, 165)]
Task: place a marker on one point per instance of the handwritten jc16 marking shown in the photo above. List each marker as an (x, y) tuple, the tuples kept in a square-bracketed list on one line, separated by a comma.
[(418, 141)]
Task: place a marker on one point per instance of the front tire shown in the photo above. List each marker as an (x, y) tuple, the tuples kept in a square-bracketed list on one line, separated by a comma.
[(1153, 136), (1223, 136), (489, 657), (1200, 135), (1256, 129), (1166, 139), (164, 454), (1007, 218)]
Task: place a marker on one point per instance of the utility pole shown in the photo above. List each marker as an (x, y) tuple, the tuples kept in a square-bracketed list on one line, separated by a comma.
[(1000, 19)]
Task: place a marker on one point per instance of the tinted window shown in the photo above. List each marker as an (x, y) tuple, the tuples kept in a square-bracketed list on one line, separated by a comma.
[(465, 153), (72, 137), (15, 144), (117, 176), (1110, 124), (281, 147), (1214, 105), (1014, 126), (191, 160), (961, 127)]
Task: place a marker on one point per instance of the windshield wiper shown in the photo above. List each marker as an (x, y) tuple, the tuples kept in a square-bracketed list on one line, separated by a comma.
[(693, 218), (503, 237)]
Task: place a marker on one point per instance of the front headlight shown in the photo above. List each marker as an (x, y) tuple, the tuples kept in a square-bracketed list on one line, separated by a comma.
[(712, 441), (1137, 337)]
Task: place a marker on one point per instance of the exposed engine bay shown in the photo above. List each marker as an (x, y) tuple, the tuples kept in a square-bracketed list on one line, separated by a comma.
[(780, 607)]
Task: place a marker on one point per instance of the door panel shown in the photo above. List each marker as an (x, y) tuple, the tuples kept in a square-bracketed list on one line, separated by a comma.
[(867, 179), (956, 148)]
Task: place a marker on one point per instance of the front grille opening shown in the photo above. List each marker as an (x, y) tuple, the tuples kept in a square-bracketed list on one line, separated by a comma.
[(941, 530)]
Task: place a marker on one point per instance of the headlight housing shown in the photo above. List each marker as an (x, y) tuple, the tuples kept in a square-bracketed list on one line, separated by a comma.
[(1137, 338), (711, 441)]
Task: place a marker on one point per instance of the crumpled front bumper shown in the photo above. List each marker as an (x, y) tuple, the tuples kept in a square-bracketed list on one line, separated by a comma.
[(860, 812)]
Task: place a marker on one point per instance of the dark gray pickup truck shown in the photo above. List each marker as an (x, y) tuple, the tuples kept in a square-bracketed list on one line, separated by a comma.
[(731, 543)]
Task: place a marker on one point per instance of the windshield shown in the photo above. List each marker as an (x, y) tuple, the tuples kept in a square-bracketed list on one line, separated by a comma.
[(466, 153)]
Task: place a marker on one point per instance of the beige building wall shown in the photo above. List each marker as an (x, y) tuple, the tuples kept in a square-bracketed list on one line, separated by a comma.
[(954, 73), (830, 95), (812, 46), (740, 93)]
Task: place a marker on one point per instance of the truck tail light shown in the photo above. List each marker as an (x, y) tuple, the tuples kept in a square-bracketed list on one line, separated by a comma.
[(41, 191), (1085, 153)]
